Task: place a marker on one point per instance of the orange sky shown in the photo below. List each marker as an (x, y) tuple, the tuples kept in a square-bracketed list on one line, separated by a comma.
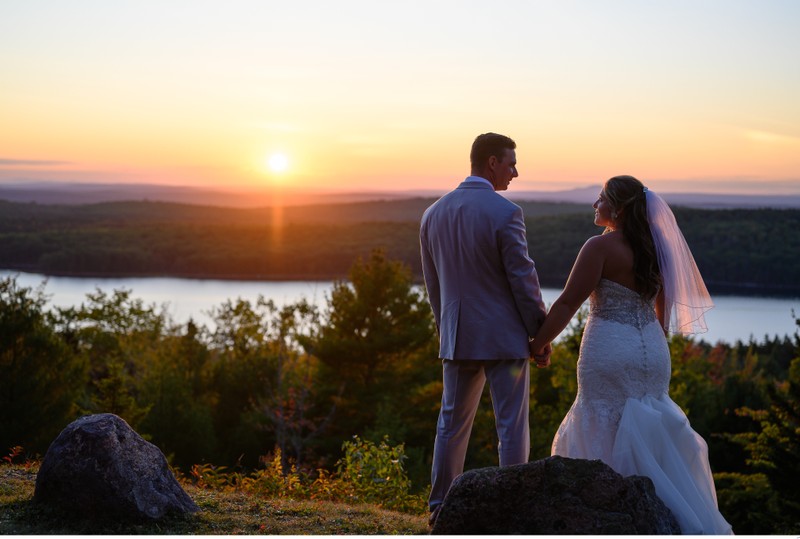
[(685, 95)]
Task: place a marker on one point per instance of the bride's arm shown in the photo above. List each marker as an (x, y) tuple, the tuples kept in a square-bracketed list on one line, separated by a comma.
[(583, 278)]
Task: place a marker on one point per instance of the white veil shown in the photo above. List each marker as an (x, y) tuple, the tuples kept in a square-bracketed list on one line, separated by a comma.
[(686, 298)]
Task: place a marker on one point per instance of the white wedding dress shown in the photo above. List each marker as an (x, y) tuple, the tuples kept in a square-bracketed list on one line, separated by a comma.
[(623, 414)]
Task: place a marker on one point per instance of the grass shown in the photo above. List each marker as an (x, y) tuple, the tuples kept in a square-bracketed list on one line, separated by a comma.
[(222, 513)]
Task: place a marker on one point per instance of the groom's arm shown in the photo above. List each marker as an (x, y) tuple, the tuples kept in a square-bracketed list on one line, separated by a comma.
[(431, 277), (521, 272)]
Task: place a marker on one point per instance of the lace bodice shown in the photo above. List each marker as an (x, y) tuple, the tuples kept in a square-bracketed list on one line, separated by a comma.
[(615, 302)]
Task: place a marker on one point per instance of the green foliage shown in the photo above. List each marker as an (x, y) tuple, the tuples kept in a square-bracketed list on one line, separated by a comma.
[(373, 318), (748, 502), (255, 370), (212, 477), (375, 474), (291, 406), (377, 337), (689, 385), (276, 480), (119, 338), (41, 379), (762, 497), (774, 450), (178, 387)]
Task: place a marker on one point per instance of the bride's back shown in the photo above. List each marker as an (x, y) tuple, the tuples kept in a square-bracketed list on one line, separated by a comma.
[(618, 263)]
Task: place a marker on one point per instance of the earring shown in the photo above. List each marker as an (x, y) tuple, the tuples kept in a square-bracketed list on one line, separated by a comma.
[(614, 215)]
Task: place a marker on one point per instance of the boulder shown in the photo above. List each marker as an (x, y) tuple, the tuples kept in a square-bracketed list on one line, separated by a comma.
[(553, 496), (100, 467)]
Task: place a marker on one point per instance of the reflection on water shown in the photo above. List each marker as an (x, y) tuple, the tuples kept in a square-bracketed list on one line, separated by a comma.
[(733, 317)]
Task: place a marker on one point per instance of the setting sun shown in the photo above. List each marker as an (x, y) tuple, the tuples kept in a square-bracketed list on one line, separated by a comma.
[(278, 162)]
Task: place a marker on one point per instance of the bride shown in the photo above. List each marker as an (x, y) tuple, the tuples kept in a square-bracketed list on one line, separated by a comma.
[(641, 280)]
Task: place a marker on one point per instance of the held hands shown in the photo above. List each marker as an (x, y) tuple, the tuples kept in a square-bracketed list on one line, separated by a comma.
[(540, 354)]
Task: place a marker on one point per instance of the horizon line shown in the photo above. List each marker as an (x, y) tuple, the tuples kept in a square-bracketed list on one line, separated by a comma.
[(291, 190)]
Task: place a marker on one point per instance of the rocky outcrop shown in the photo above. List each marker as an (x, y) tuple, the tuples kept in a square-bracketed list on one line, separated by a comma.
[(100, 467), (552, 496)]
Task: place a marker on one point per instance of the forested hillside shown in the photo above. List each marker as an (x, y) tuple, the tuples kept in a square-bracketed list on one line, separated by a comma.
[(736, 250)]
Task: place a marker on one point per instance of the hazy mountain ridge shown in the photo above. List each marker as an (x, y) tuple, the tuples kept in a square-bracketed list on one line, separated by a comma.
[(90, 193)]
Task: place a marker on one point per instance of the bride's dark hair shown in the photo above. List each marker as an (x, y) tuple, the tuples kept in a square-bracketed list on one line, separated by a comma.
[(626, 195)]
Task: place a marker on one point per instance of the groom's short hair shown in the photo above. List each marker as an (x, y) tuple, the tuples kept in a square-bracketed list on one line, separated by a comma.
[(487, 145)]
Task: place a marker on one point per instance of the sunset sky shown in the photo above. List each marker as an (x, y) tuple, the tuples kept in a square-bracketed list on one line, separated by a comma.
[(687, 95)]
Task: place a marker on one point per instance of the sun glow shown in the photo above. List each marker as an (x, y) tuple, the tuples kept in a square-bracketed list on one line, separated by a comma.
[(83, 106), (278, 162)]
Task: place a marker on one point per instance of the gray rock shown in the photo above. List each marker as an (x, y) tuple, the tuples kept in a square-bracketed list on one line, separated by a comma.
[(553, 496), (100, 467)]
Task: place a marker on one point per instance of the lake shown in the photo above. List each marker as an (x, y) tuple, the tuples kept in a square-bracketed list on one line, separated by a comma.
[(733, 317)]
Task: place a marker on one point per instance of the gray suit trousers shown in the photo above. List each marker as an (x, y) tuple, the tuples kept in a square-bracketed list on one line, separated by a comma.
[(509, 382)]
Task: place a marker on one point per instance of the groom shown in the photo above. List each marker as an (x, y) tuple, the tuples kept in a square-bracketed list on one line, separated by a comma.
[(486, 302)]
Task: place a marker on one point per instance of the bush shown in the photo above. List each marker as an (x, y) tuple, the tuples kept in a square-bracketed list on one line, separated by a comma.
[(375, 474), (367, 473), (747, 502)]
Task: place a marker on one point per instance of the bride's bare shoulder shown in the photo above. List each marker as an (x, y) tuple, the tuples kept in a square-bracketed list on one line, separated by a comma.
[(609, 240), (610, 244)]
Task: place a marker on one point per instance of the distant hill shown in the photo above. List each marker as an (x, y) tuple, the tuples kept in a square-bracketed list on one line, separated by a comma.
[(92, 193), (14, 215), (737, 250)]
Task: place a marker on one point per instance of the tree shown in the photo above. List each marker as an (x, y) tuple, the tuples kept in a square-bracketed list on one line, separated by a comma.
[(370, 344), (371, 319), (41, 379), (265, 381), (765, 498), (242, 366), (177, 389), (775, 450), (119, 337), (291, 406)]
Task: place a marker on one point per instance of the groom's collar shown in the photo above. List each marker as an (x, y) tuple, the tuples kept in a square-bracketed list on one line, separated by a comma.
[(478, 180)]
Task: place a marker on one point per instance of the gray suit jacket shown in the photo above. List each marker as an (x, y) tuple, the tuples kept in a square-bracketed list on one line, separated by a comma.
[(482, 285)]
